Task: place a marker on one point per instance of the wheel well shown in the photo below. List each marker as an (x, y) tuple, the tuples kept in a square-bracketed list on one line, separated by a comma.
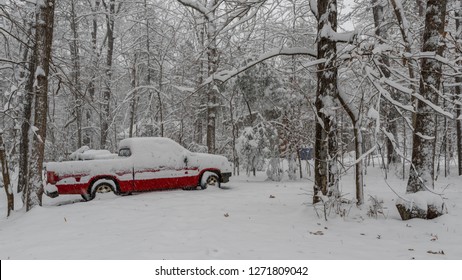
[(104, 178), (217, 172)]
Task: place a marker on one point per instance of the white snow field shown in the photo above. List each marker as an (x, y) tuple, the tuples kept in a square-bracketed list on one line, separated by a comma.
[(250, 218)]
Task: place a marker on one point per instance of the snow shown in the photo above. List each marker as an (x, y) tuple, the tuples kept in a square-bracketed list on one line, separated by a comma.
[(39, 72), (249, 218), (314, 7), (373, 114), (85, 153), (425, 136), (422, 199)]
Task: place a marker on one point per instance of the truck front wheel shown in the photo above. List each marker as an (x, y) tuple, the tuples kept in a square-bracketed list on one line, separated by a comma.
[(210, 179)]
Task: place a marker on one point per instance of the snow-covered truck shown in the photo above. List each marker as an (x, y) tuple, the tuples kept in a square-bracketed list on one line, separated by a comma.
[(142, 164)]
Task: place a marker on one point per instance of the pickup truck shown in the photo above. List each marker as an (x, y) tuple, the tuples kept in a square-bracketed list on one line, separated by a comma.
[(142, 164)]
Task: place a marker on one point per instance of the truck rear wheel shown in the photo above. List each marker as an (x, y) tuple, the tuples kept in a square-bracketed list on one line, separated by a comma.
[(100, 186)]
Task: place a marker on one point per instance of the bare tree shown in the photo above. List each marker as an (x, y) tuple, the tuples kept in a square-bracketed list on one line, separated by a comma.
[(214, 25)]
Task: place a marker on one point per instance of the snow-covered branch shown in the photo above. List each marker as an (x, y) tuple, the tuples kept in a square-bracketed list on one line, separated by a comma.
[(314, 7), (346, 37), (225, 75), (196, 6), (374, 80)]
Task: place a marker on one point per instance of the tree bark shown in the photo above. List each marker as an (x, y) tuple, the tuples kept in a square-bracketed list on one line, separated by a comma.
[(325, 164), (23, 176), (88, 139), (458, 91), (75, 75), (212, 55), (421, 175), (133, 75), (6, 176), (105, 112), (43, 42)]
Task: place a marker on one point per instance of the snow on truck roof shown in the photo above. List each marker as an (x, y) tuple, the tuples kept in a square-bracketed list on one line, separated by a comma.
[(157, 148), (150, 143)]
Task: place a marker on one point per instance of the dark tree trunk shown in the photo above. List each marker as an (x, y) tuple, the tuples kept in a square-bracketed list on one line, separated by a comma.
[(326, 169), (134, 97), (75, 75), (459, 92), (87, 138), (160, 107), (105, 112), (6, 177), (23, 176), (212, 93), (43, 42), (421, 175)]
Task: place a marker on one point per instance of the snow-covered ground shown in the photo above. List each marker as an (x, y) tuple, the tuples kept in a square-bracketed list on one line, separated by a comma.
[(250, 218)]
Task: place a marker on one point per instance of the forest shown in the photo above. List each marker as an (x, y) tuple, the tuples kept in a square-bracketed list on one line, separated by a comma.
[(258, 81)]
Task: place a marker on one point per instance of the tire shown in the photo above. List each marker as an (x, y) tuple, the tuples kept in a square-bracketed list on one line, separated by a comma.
[(87, 197), (210, 179), (100, 186)]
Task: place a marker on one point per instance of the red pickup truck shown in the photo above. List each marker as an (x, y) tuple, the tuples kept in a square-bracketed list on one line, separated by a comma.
[(142, 164)]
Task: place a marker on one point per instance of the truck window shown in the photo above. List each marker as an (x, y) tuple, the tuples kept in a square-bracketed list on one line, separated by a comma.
[(125, 152)]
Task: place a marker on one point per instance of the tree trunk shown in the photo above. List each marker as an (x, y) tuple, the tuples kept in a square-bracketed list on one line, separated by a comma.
[(23, 176), (405, 34), (134, 97), (459, 90), (75, 75), (87, 138), (212, 93), (423, 150), (105, 112), (43, 42), (160, 107), (152, 113), (421, 177), (359, 173), (325, 164), (6, 176), (391, 114)]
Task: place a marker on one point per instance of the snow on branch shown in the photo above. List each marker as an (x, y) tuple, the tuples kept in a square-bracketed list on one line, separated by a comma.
[(373, 78), (240, 14), (404, 23), (345, 37), (435, 107), (196, 6), (384, 92), (314, 7), (225, 75)]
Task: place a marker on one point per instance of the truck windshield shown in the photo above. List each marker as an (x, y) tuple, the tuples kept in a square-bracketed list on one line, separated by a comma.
[(125, 152)]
